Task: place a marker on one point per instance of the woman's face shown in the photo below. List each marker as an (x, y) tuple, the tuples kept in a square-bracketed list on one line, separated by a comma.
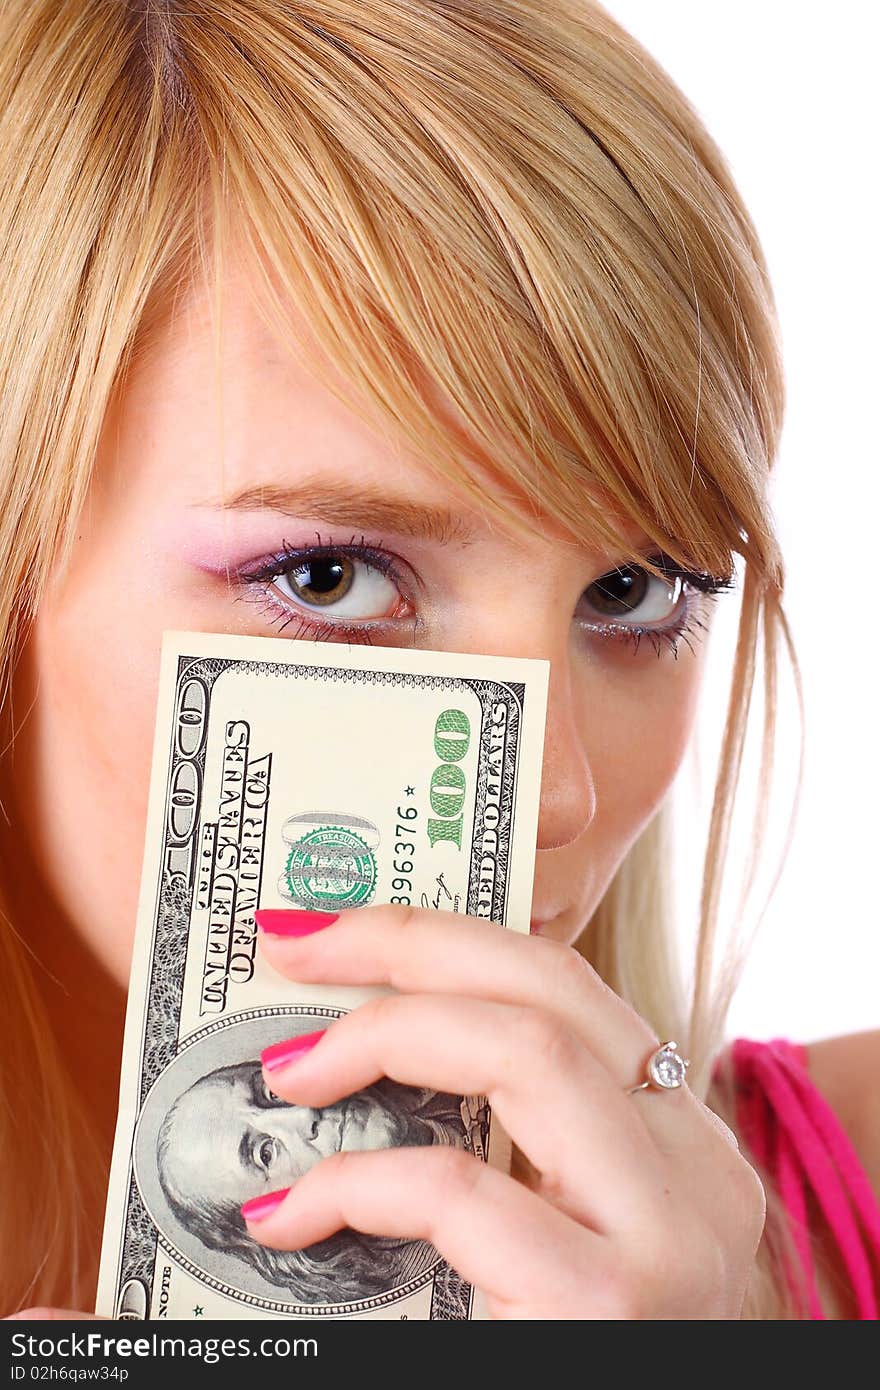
[(231, 1139), (173, 521)]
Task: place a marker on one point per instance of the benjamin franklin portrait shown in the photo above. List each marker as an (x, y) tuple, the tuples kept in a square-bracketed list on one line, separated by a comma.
[(213, 1135)]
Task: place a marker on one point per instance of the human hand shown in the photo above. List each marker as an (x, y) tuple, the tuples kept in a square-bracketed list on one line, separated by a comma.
[(624, 1206)]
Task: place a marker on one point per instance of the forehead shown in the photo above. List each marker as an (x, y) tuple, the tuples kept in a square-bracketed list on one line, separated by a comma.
[(254, 412), (208, 1121), (258, 416), (210, 1099)]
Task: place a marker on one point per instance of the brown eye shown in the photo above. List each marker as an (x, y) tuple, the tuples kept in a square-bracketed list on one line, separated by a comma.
[(322, 581), (341, 586), (630, 604), (632, 592)]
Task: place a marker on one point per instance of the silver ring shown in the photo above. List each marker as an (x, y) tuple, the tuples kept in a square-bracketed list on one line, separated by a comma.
[(664, 1068)]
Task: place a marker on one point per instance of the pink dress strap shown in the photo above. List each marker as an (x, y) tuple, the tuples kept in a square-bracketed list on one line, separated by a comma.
[(796, 1136)]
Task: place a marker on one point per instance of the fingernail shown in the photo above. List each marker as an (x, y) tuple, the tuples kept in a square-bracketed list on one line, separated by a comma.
[(258, 1207), (282, 1053), (292, 921)]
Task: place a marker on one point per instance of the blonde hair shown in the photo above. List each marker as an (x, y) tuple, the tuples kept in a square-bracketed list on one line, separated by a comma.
[(505, 225)]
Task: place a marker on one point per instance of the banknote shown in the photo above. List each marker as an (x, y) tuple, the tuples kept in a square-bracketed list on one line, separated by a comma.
[(323, 776)]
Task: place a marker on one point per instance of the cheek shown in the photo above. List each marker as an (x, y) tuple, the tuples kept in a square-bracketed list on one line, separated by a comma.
[(82, 764), (639, 733)]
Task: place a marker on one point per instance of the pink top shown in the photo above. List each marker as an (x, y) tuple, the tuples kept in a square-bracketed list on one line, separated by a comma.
[(795, 1134)]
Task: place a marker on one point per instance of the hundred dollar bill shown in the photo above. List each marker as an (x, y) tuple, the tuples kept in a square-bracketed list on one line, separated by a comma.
[(324, 776)]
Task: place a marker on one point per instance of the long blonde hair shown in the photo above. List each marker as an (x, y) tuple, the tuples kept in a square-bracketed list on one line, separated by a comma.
[(503, 222)]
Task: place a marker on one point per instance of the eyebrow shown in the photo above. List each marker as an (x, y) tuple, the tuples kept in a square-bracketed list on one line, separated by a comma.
[(343, 504)]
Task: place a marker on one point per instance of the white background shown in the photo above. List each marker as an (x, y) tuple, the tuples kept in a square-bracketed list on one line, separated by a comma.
[(788, 91)]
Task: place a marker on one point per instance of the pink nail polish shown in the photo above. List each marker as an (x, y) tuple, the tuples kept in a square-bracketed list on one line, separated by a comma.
[(292, 921), (258, 1207), (283, 1053)]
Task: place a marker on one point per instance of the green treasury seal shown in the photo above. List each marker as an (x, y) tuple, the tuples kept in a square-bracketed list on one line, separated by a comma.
[(330, 869)]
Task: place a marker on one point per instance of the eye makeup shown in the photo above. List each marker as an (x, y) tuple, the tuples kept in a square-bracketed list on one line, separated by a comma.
[(694, 589)]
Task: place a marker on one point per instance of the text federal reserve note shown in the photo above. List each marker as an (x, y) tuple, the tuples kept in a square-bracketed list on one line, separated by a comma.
[(300, 774)]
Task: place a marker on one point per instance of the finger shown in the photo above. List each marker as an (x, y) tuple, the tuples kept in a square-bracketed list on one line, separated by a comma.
[(557, 1102), (498, 1235), (428, 950), (432, 951)]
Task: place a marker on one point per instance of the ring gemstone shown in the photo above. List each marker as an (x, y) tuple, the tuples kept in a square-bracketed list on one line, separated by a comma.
[(666, 1068)]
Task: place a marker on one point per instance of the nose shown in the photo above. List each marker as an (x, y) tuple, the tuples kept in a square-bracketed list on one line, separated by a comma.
[(568, 791), (292, 1124)]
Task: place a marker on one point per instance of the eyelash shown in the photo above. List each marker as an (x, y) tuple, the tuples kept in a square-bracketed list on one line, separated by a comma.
[(700, 589)]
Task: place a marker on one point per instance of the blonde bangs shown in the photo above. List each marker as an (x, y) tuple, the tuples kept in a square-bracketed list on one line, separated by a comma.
[(556, 309)]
